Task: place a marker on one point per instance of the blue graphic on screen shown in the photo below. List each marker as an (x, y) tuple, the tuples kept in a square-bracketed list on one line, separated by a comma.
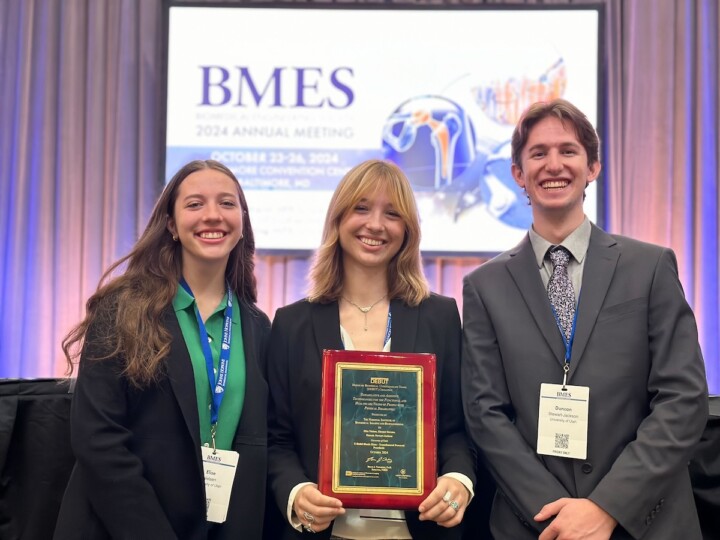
[(490, 180), (433, 140)]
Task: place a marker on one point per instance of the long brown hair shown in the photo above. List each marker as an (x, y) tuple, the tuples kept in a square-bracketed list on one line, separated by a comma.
[(125, 312), (406, 280)]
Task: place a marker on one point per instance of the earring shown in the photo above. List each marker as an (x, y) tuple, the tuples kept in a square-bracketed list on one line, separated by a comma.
[(175, 238), (242, 236)]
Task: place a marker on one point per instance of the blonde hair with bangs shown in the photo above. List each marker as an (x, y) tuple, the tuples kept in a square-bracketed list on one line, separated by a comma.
[(406, 280)]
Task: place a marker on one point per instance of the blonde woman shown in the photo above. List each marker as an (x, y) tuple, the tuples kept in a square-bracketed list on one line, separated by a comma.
[(367, 292)]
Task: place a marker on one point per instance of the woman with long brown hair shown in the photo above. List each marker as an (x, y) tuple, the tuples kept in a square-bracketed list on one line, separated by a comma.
[(170, 379), (367, 292)]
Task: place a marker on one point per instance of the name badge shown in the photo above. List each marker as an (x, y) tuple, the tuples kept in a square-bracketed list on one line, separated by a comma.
[(563, 421), (219, 467)]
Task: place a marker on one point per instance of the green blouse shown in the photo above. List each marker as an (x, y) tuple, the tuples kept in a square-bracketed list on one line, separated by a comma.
[(232, 404)]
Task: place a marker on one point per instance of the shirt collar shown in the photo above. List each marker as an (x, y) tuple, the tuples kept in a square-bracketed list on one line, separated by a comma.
[(577, 243), (184, 301)]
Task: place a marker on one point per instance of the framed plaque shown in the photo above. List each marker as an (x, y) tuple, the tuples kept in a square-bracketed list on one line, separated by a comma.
[(378, 442)]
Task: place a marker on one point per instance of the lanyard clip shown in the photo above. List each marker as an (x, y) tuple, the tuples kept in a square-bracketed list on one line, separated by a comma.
[(566, 368), (213, 430)]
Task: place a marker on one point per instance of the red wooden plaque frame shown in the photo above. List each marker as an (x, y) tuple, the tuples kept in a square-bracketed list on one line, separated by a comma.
[(378, 497)]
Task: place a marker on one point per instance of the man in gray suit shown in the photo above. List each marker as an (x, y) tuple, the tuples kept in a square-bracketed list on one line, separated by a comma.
[(586, 410)]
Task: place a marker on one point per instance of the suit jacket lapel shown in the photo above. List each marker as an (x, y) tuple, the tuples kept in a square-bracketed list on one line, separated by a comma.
[(404, 326), (524, 271), (253, 392), (182, 378), (600, 264), (326, 326), (247, 329)]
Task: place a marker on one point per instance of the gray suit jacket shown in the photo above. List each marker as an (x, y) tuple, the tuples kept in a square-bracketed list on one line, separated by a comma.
[(635, 346)]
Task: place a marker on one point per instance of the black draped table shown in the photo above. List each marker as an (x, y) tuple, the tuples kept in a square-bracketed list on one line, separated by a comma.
[(35, 456)]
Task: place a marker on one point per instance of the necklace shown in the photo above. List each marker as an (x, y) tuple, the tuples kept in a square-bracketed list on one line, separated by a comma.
[(366, 309)]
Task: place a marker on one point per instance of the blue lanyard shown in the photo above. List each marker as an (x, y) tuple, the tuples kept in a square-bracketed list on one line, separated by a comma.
[(388, 329), (217, 387), (567, 342)]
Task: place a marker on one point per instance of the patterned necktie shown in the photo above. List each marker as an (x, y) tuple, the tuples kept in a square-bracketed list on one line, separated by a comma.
[(560, 289)]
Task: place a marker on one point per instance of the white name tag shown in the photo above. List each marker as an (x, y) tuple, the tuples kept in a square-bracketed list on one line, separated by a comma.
[(219, 468), (563, 421)]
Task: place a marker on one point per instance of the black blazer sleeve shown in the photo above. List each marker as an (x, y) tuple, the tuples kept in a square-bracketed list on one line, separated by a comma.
[(110, 472), (290, 353), (454, 453)]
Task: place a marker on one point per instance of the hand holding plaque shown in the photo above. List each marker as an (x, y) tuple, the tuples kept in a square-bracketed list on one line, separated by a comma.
[(378, 445)]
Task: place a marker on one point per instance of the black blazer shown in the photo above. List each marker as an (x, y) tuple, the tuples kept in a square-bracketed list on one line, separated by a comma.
[(139, 471), (300, 332)]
